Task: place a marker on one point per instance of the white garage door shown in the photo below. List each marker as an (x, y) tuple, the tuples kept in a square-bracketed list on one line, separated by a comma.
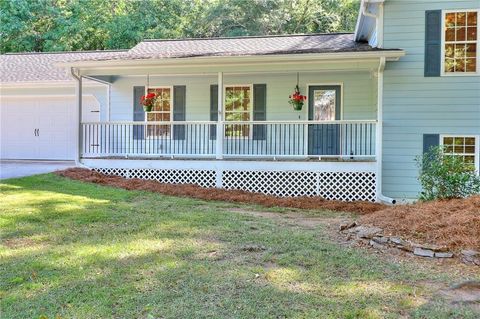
[(39, 127)]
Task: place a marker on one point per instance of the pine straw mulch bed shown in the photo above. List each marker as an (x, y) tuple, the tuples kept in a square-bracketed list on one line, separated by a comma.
[(452, 223), (237, 196)]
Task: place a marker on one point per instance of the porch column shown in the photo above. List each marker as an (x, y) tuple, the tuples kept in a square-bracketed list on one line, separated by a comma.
[(219, 148), (78, 95)]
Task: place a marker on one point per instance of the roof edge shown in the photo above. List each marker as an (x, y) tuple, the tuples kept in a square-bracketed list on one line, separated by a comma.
[(248, 37), (387, 53), (65, 52)]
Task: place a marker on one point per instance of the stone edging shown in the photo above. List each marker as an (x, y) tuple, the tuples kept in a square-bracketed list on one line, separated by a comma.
[(375, 237)]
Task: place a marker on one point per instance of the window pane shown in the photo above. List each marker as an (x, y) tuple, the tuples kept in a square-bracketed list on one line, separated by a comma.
[(460, 65), (458, 140), (469, 159), (470, 141), (471, 65), (472, 33), (448, 140), (472, 18), (450, 19), (461, 18), (459, 51), (449, 50), (166, 105), (450, 34), (461, 34), (470, 149), (449, 65), (150, 116), (471, 50)]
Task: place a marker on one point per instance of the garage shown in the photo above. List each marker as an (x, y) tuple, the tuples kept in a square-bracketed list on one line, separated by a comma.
[(38, 107), (41, 127)]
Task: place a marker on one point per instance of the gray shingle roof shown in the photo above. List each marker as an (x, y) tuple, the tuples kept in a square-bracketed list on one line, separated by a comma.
[(243, 46), (39, 67), (294, 44), (32, 67)]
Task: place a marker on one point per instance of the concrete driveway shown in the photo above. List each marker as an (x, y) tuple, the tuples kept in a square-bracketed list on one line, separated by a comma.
[(11, 169)]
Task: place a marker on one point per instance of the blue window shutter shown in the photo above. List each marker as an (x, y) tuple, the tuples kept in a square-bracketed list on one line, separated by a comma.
[(138, 113), (429, 141), (433, 42), (213, 109), (179, 111), (259, 110)]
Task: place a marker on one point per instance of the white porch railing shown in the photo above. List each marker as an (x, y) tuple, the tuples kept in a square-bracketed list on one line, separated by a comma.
[(256, 139)]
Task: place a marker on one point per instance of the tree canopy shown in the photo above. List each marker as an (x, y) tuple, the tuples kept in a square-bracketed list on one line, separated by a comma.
[(61, 25)]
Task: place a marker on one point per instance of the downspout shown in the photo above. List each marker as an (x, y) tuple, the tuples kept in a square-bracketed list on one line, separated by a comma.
[(78, 95), (379, 140)]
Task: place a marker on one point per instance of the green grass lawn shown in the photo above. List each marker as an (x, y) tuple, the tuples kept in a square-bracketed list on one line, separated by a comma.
[(75, 250)]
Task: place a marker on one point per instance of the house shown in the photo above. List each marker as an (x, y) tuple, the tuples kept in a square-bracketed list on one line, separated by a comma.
[(406, 80)]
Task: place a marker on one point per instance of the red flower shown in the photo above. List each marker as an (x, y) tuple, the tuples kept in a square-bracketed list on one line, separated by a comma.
[(148, 100)]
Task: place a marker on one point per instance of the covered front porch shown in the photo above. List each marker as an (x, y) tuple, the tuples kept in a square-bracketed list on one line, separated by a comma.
[(226, 122), (238, 115)]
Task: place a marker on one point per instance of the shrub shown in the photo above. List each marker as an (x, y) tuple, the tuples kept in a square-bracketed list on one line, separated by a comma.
[(446, 176)]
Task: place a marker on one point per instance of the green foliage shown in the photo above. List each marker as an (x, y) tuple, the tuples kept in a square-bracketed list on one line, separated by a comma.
[(445, 176), (59, 25)]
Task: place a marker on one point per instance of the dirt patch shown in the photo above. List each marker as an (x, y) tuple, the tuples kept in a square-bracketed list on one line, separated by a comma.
[(14, 243), (293, 218), (467, 293), (451, 223), (237, 196)]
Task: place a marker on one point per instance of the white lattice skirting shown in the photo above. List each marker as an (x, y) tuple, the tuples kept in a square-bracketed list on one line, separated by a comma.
[(346, 186)]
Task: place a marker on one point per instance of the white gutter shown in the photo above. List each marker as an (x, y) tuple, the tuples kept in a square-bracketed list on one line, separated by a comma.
[(78, 94), (227, 60)]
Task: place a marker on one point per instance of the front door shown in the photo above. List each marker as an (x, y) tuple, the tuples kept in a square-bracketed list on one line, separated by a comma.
[(324, 105)]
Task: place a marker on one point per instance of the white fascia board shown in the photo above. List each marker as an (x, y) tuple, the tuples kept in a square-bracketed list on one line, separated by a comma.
[(227, 60), (46, 84)]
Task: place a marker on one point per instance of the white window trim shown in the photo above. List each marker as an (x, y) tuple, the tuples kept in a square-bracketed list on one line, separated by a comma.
[(442, 64), (477, 146), (250, 133), (171, 109)]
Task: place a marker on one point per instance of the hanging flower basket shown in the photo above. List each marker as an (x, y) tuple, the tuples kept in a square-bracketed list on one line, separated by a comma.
[(148, 101), (297, 99)]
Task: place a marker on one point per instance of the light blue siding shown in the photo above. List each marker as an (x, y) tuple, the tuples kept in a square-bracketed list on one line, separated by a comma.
[(359, 93), (415, 105)]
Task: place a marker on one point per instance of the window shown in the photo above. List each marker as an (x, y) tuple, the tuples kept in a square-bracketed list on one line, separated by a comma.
[(161, 112), (463, 146), (460, 34), (238, 108)]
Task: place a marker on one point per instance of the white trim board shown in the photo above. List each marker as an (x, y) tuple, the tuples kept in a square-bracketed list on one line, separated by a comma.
[(233, 165)]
